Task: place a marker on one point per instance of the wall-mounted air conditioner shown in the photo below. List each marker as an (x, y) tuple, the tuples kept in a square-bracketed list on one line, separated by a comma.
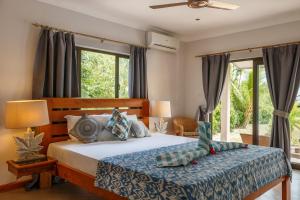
[(162, 42)]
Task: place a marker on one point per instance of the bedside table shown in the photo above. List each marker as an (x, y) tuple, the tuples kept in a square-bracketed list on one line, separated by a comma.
[(41, 171)]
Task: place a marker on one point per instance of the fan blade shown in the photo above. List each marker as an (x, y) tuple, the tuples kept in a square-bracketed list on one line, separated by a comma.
[(168, 5), (222, 5)]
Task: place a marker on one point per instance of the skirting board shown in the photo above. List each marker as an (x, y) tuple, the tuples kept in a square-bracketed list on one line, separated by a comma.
[(13, 185)]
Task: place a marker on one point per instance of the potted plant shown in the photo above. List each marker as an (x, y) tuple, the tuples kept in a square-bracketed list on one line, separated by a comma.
[(297, 149)]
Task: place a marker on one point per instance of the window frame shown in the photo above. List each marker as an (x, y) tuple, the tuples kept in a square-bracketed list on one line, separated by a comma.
[(117, 65)]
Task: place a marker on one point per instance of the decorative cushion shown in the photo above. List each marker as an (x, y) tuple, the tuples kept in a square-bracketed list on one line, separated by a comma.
[(119, 125), (86, 129), (138, 129), (72, 119)]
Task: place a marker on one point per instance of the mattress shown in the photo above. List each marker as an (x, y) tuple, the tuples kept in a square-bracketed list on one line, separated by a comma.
[(85, 157)]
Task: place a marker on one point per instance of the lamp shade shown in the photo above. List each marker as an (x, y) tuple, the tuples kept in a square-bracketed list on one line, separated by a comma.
[(160, 109), (26, 114)]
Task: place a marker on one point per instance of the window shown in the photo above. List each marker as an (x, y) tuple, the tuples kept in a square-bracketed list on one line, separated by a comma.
[(103, 74)]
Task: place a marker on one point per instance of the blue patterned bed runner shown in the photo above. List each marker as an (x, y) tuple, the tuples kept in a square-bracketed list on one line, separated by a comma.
[(230, 175)]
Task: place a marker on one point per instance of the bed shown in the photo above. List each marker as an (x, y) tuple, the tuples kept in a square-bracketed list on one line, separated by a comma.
[(112, 170)]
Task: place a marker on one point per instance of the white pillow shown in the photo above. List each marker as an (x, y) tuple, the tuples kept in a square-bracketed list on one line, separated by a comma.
[(129, 117), (71, 121), (139, 130), (132, 117)]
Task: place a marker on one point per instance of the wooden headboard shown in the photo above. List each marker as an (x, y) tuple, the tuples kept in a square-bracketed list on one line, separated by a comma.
[(58, 108)]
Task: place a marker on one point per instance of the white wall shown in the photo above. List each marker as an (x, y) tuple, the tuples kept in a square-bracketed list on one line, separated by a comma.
[(164, 75), (193, 75), (18, 41)]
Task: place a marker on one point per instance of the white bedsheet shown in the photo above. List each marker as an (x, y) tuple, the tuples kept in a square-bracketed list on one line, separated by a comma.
[(84, 157)]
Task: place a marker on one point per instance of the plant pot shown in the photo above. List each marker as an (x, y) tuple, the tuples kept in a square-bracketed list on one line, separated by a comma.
[(297, 150), (263, 140)]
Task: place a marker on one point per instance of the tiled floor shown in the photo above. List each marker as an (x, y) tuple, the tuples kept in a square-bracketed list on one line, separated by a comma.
[(71, 192), (58, 192)]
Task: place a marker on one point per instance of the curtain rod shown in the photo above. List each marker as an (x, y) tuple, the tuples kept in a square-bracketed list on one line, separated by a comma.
[(249, 49), (85, 35)]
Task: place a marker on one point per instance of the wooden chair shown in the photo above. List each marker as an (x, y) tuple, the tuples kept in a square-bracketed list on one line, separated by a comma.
[(184, 126)]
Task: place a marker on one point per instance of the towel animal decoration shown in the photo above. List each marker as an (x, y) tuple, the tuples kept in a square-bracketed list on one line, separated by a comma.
[(205, 147)]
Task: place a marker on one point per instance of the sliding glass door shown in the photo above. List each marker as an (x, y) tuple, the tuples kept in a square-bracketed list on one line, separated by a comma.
[(251, 106), (242, 101), (246, 114), (265, 108)]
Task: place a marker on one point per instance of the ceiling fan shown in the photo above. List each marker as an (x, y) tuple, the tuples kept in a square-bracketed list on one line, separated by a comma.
[(200, 4)]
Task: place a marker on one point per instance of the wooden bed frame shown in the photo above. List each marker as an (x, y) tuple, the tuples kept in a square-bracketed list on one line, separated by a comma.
[(57, 131)]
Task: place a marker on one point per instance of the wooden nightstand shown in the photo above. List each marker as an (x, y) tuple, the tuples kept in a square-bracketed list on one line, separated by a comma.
[(42, 171)]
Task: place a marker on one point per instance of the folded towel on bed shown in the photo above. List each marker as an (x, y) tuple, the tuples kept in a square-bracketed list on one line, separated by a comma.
[(225, 146), (178, 158), (205, 147)]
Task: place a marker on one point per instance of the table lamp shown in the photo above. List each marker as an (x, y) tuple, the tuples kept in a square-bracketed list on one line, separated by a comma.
[(160, 109), (27, 114)]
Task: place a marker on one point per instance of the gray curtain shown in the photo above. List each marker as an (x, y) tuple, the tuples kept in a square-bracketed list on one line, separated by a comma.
[(282, 66), (214, 71), (55, 72), (138, 73)]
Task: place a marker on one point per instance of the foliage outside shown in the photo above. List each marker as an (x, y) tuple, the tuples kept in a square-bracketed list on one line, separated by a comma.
[(98, 74), (123, 77)]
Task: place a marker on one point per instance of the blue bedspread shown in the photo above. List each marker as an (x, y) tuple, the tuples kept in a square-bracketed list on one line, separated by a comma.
[(228, 175)]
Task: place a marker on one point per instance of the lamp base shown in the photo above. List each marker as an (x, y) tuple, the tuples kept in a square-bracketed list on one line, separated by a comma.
[(31, 159), (161, 126), (28, 148)]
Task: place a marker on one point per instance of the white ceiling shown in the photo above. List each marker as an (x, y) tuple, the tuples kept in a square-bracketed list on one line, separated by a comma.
[(252, 14)]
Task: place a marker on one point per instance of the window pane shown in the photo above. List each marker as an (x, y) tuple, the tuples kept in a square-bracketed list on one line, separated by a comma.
[(241, 104), (265, 109), (123, 77), (216, 123), (295, 131), (97, 75)]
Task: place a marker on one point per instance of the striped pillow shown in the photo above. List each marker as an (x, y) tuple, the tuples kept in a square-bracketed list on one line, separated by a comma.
[(119, 125)]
